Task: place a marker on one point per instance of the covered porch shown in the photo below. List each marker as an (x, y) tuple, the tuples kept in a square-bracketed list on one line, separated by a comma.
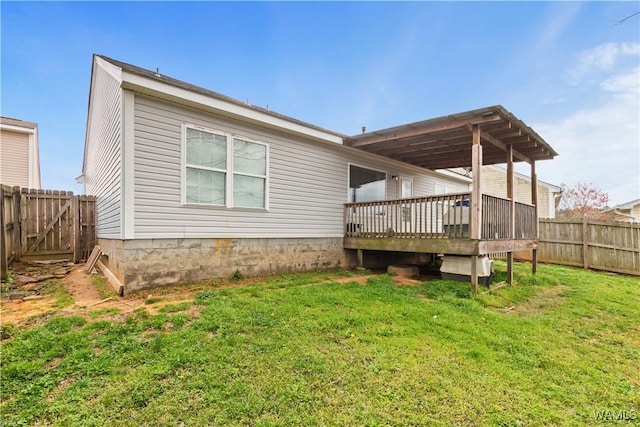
[(469, 223)]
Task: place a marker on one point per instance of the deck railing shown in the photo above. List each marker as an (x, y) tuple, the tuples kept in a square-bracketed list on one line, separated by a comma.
[(526, 222), (444, 216), (496, 219)]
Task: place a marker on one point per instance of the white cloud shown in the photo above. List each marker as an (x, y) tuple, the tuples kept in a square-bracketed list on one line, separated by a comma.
[(600, 144), (601, 58), (628, 83)]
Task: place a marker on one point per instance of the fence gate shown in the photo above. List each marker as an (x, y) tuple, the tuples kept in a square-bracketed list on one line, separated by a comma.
[(46, 224)]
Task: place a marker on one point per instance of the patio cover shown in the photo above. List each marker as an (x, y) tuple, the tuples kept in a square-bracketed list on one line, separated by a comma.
[(445, 142)]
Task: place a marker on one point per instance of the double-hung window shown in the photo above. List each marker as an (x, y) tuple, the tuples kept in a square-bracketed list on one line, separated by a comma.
[(249, 173), (221, 169)]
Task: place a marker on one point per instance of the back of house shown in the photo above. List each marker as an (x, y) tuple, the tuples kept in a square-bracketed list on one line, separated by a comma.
[(192, 184)]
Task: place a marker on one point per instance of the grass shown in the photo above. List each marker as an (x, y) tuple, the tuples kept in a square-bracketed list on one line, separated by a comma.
[(62, 297), (103, 287), (305, 350)]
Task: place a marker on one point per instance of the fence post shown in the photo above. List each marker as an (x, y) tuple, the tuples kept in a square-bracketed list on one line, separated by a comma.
[(75, 211), (17, 224), (4, 267), (585, 244)]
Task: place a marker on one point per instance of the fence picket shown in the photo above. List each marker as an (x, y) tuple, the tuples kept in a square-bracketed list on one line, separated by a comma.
[(608, 246), (44, 224)]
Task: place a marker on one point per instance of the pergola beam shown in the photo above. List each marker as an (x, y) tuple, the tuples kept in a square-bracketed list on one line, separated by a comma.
[(501, 145), (444, 142), (421, 130)]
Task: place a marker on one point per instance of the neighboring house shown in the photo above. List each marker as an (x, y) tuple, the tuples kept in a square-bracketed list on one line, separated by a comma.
[(493, 182), (191, 184), (19, 154), (626, 212)]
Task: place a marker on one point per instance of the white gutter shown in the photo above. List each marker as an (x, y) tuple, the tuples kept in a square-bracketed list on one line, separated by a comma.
[(158, 88)]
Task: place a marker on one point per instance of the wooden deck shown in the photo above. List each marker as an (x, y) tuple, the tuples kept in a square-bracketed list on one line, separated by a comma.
[(440, 224)]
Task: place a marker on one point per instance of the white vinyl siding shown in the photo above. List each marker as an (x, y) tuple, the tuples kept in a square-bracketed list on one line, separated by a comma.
[(494, 183), (307, 181), (104, 153), (14, 158)]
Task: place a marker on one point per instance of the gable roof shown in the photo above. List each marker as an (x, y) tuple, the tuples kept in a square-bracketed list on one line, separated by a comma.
[(628, 205), (438, 143), (553, 188), (156, 84), (17, 123)]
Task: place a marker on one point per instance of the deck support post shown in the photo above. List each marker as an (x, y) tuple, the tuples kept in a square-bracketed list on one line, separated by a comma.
[(475, 223), (512, 211), (534, 202), (360, 253), (474, 275), (475, 220)]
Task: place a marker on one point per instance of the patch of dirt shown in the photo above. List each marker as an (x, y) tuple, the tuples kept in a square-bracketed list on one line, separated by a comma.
[(361, 280), (399, 280), (79, 284), (17, 311), (541, 302), (87, 298), (411, 281), (17, 307)]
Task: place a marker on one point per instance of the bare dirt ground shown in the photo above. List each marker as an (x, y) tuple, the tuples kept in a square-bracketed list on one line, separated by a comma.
[(87, 298)]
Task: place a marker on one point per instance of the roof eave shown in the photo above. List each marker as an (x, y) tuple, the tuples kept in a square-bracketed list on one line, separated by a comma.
[(146, 82)]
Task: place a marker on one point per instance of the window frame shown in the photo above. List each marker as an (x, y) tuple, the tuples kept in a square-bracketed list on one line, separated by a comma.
[(228, 171), (231, 148), (349, 164)]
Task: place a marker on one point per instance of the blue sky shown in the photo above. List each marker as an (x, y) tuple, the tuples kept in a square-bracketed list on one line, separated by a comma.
[(565, 68)]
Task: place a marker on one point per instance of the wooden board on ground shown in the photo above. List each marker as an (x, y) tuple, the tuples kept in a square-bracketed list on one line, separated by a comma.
[(113, 280), (93, 258)]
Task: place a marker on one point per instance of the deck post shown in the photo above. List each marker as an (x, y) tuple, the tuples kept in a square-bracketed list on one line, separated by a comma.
[(475, 223), (360, 253), (475, 220), (474, 274), (534, 202), (512, 211)]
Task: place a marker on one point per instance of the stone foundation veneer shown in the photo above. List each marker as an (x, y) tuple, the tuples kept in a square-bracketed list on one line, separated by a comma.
[(147, 263)]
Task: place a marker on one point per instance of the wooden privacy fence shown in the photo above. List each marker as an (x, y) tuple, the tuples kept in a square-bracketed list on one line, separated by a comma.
[(45, 224), (609, 246)]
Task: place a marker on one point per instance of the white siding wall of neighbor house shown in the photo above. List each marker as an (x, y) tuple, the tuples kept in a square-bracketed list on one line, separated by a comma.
[(627, 215), (14, 158), (494, 183), (307, 182), (102, 173)]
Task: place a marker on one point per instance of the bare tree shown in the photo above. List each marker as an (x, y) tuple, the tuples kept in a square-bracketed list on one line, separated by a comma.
[(583, 201)]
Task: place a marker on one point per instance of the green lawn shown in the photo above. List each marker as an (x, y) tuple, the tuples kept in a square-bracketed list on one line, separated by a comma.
[(557, 349)]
